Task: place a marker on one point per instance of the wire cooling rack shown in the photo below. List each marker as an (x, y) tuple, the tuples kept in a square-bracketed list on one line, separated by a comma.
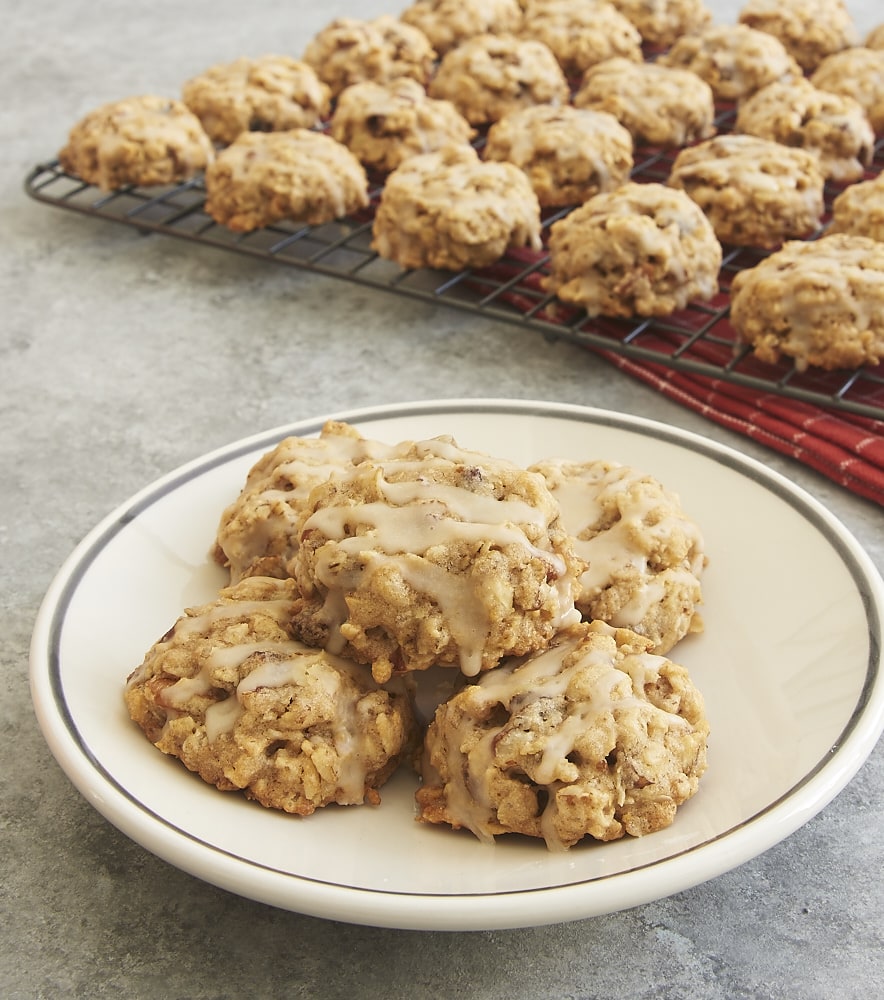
[(698, 339)]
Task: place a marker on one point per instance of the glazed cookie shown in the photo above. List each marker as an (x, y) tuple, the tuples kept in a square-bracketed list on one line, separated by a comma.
[(349, 51), (660, 106), (435, 556), (450, 210), (856, 73), (268, 94), (642, 249), (490, 75), (593, 737), (859, 210), (795, 113), (140, 140), (256, 534), (733, 59), (581, 34), (755, 192), (568, 154), (265, 177), (820, 303), (661, 22), (809, 29), (384, 124), (232, 695), (447, 23)]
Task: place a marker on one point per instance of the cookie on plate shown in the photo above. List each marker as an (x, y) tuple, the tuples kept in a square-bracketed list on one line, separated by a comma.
[(384, 124), (859, 209), (820, 303), (350, 50), (593, 737), (735, 60), (267, 94), (490, 75), (266, 177), (659, 105), (569, 154), (809, 29), (661, 22), (236, 699), (795, 113), (644, 556), (581, 34), (435, 556), (447, 23), (144, 140), (755, 192), (857, 73), (451, 210), (640, 250)]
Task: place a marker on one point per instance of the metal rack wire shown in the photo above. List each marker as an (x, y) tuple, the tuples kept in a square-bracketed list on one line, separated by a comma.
[(698, 339)]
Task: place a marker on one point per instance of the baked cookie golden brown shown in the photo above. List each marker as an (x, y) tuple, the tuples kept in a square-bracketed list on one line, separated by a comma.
[(809, 29), (591, 737), (232, 695), (875, 38), (146, 140), (858, 73), (820, 303), (859, 209), (661, 22), (447, 23)]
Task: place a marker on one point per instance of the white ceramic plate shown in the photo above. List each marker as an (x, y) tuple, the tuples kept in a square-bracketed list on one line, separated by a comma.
[(790, 666)]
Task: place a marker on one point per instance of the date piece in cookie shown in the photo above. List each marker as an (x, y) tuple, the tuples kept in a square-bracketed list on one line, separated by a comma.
[(450, 210), (820, 303), (384, 124), (644, 556), (447, 23), (755, 192), (268, 94), (640, 250), (490, 75), (661, 22), (809, 29), (592, 737), (349, 50), (265, 177), (795, 113), (257, 533), (232, 695), (659, 105), (734, 59), (857, 73), (859, 210), (568, 154), (581, 33), (435, 556), (145, 140)]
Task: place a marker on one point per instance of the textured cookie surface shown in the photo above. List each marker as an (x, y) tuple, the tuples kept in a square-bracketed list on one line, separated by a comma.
[(859, 209), (809, 29), (447, 23), (662, 22), (856, 73)]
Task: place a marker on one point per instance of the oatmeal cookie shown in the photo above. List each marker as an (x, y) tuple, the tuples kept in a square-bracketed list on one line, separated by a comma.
[(143, 140), (593, 737), (797, 114), (661, 22), (734, 59), (568, 154), (875, 38), (642, 249), (447, 23), (809, 29), (451, 210), (268, 94), (384, 124), (257, 533), (659, 105), (644, 556), (265, 177), (435, 556), (755, 192), (581, 34), (490, 75), (859, 210), (856, 73), (820, 303), (232, 695), (349, 50)]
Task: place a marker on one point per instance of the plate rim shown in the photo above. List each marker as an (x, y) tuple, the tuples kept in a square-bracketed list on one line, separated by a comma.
[(481, 911)]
